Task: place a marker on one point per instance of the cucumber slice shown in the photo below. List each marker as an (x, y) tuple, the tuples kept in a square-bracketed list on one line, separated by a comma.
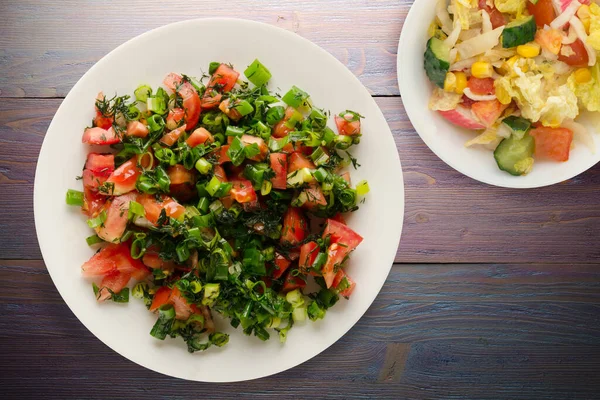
[(513, 155), (519, 126), (519, 32), (437, 61)]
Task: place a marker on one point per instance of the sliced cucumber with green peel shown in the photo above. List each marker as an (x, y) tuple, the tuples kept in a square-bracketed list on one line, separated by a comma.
[(437, 61), (519, 32), (519, 126), (514, 155)]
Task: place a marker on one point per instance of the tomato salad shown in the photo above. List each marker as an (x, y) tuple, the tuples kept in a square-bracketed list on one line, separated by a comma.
[(220, 197), (520, 71)]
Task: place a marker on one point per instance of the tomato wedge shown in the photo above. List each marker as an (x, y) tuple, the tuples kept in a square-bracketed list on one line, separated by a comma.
[(542, 11), (279, 166), (579, 56), (115, 224), (308, 254), (191, 100), (281, 265), (480, 86), (224, 78), (292, 282), (115, 281), (123, 179), (154, 204), (343, 240), (242, 191), (298, 161), (98, 168), (347, 126), (174, 118), (198, 137), (295, 227), (161, 297), (342, 278), (100, 136), (262, 146), (552, 143)]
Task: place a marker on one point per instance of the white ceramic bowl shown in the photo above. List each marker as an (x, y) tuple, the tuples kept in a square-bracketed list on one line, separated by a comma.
[(447, 140), (188, 47)]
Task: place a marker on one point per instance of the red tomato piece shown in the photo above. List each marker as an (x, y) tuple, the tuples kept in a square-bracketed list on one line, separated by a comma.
[(174, 118), (153, 206), (114, 257), (183, 310), (481, 86), (93, 202), (123, 179), (339, 278), (98, 168), (224, 78), (496, 17), (179, 174), (170, 138), (115, 281), (231, 112), (579, 58), (198, 137), (339, 218), (308, 254), (292, 283), (114, 226), (346, 125), (281, 129), (281, 265), (100, 136), (102, 122), (343, 240), (298, 161), (242, 191), (223, 156), (211, 99), (488, 111), (262, 146), (543, 12), (137, 129), (295, 227), (161, 297), (553, 143), (191, 100), (219, 172), (314, 197), (279, 166)]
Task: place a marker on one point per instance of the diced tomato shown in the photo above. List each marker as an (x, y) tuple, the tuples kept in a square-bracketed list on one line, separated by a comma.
[(153, 260), (161, 297), (488, 111), (579, 58), (347, 126), (314, 197), (219, 172), (549, 39), (281, 265), (343, 240), (262, 146), (480, 86), (466, 102), (114, 226), (298, 161), (100, 136), (101, 263), (542, 11), (198, 137), (346, 177), (137, 129), (191, 100), (124, 178), (154, 204), (211, 99), (114, 281), (174, 118), (496, 17), (242, 191), (92, 201), (235, 172), (223, 156), (170, 138), (295, 227), (183, 310), (339, 217), (279, 166), (179, 174), (553, 143), (102, 122), (292, 282), (224, 78), (308, 254), (281, 129), (339, 277), (231, 112), (98, 168)]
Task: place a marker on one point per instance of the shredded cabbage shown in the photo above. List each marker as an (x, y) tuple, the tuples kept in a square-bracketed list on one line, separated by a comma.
[(515, 7), (594, 37), (589, 92), (443, 101), (486, 137), (462, 12), (480, 44)]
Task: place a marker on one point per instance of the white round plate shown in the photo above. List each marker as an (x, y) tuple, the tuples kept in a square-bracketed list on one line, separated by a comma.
[(447, 141), (184, 47)]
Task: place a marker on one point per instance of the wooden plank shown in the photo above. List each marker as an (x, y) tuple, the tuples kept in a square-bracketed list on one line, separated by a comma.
[(62, 52), (435, 331), (449, 217)]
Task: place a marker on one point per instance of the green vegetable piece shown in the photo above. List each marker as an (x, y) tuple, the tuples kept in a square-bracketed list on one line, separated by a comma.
[(295, 97), (212, 67), (362, 188), (98, 221), (518, 32), (92, 240), (136, 210), (166, 317), (275, 114), (203, 166), (253, 262), (315, 311), (518, 125), (74, 197), (437, 61), (142, 93), (211, 293), (257, 73), (511, 152), (244, 107), (234, 131)]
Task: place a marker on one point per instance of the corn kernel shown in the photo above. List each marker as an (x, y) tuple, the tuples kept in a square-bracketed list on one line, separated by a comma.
[(450, 82), (583, 75), (482, 69), (583, 13), (529, 50), (461, 82)]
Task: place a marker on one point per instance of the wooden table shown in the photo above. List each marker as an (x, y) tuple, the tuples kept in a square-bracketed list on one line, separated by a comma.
[(495, 294)]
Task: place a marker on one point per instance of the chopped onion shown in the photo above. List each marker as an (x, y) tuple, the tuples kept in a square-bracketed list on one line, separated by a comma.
[(486, 23), (462, 64), (453, 37), (571, 37), (453, 54), (479, 44), (580, 133), (561, 68), (441, 12), (469, 34), (478, 97), (564, 17), (580, 30), (547, 55)]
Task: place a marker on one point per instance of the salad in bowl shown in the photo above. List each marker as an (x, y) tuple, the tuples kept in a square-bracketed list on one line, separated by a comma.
[(519, 73)]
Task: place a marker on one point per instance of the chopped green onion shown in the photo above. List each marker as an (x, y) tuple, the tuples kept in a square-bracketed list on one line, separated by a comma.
[(166, 317), (315, 311), (139, 289), (319, 156), (138, 248), (299, 314), (92, 240), (219, 138), (327, 297), (267, 98), (347, 197), (253, 262), (74, 197), (362, 188), (251, 150), (136, 209), (244, 107), (275, 114), (236, 151), (300, 177), (276, 145), (263, 130), (320, 260), (318, 119), (295, 298), (182, 251), (328, 136), (203, 204), (142, 93), (234, 131), (155, 123), (257, 73), (133, 113), (213, 186), (195, 286), (121, 297), (216, 207), (212, 67), (294, 119), (235, 210), (204, 221), (295, 97), (321, 175), (194, 233), (211, 293), (203, 166), (342, 142), (98, 221), (266, 187)]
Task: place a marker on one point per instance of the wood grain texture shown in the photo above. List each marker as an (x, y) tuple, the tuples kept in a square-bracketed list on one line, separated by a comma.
[(435, 331), (43, 55), (449, 217)]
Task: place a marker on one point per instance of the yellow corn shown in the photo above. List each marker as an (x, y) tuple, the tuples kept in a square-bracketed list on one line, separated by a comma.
[(583, 75), (529, 50), (584, 15), (450, 82), (502, 95), (482, 69), (461, 82)]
